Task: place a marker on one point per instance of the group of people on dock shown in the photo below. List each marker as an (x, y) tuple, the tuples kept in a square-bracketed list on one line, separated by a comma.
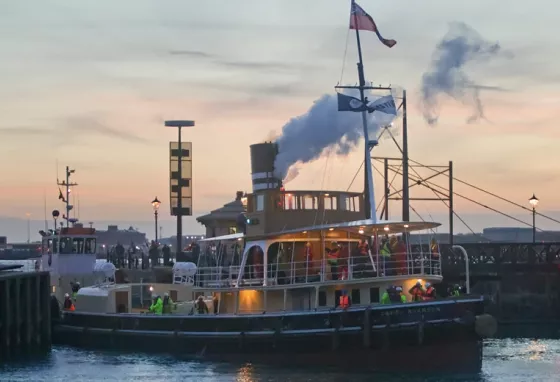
[(142, 257)]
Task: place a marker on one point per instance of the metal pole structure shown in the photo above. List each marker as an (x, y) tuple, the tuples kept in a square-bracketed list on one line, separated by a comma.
[(534, 227), (467, 272), (406, 194), (29, 225), (369, 197), (156, 216), (450, 202), (386, 186), (179, 250), (179, 124), (67, 196)]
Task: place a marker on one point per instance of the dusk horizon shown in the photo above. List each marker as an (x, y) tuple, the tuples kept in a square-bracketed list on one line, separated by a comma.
[(90, 86)]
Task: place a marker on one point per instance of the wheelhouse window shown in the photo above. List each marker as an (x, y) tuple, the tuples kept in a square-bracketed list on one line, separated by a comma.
[(90, 245), (290, 202), (330, 202), (350, 203), (309, 202), (259, 203), (232, 230)]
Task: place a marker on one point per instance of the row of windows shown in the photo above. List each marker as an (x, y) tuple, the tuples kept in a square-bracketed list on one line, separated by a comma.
[(70, 245), (311, 202), (354, 295)]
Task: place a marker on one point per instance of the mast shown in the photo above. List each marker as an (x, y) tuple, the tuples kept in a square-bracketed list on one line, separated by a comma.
[(405, 188), (369, 196), (67, 184)]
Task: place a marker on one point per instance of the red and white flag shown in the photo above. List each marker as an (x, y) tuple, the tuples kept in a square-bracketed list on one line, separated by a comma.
[(360, 20)]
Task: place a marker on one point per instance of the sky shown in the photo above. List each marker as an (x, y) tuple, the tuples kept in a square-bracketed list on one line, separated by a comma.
[(89, 83)]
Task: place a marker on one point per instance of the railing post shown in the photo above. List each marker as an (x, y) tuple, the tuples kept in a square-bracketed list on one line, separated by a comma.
[(467, 273)]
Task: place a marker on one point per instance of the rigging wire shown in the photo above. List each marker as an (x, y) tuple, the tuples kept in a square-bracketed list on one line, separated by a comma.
[(444, 202), (492, 194), (411, 207), (355, 175), (430, 185), (421, 218), (344, 56)]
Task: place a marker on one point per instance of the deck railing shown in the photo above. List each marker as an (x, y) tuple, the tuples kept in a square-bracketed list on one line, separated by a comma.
[(320, 271)]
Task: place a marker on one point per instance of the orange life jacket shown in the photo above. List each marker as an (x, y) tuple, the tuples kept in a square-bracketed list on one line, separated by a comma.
[(344, 302), (429, 295)]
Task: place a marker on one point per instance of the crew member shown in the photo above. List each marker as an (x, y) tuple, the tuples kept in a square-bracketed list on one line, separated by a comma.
[(344, 301), (157, 305), (430, 293), (168, 304), (385, 253), (75, 288), (200, 306), (417, 292), (68, 304), (401, 294), (455, 291), (386, 297), (332, 259)]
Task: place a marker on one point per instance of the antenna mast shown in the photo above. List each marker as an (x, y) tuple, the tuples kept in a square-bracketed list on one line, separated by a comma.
[(67, 184), (369, 195)]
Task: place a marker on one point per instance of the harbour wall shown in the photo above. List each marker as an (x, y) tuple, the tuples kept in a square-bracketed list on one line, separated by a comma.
[(25, 316)]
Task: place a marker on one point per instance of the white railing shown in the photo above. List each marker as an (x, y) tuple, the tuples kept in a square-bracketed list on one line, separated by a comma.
[(321, 270)]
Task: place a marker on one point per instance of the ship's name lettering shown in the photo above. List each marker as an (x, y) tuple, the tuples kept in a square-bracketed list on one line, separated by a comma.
[(400, 312)]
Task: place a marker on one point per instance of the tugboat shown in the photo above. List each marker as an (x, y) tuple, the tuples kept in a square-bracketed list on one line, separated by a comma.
[(69, 251), (312, 279)]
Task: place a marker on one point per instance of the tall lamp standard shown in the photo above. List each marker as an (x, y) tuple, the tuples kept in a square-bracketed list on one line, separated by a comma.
[(533, 202), (179, 124), (156, 203)]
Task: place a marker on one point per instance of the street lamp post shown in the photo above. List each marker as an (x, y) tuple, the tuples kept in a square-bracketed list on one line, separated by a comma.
[(179, 124), (28, 214), (156, 203), (534, 201)]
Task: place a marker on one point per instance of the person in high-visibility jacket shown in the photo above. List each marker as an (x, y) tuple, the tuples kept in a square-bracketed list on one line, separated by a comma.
[(401, 294), (157, 305), (168, 304), (332, 259), (417, 292), (344, 300), (68, 304), (430, 293), (386, 298), (385, 253)]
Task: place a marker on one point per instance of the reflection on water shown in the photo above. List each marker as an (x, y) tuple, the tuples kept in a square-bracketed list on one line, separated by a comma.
[(505, 360)]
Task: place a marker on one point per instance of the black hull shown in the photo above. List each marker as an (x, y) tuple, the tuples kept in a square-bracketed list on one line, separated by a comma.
[(419, 338)]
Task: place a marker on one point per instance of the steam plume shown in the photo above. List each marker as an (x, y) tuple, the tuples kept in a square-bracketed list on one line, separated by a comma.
[(459, 46), (322, 127)]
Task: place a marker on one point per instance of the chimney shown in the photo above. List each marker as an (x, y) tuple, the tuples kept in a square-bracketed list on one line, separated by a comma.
[(238, 195)]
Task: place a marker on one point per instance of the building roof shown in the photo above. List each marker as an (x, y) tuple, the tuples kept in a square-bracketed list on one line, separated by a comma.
[(230, 211)]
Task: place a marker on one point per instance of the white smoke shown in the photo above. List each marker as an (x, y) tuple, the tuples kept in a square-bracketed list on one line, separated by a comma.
[(305, 138), (460, 45)]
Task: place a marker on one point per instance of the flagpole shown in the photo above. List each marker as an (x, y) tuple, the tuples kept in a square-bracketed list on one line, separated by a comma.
[(369, 193)]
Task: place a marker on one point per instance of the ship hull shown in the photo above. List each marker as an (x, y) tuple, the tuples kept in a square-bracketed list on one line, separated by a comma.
[(439, 336)]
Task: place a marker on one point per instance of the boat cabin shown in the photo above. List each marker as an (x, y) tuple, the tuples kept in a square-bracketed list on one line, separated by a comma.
[(308, 268), (69, 254)]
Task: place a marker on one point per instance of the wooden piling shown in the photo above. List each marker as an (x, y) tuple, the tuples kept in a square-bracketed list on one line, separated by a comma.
[(25, 319)]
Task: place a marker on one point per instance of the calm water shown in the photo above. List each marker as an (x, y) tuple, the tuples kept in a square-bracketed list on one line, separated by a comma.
[(505, 361)]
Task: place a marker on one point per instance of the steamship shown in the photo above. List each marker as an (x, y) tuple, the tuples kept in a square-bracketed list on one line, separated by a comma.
[(273, 290)]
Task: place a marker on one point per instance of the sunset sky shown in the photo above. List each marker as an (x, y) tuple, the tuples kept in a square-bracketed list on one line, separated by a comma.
[(89, 84)]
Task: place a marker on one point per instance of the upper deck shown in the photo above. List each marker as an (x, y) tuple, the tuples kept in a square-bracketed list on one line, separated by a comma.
[(277, 210), (340, 253)]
